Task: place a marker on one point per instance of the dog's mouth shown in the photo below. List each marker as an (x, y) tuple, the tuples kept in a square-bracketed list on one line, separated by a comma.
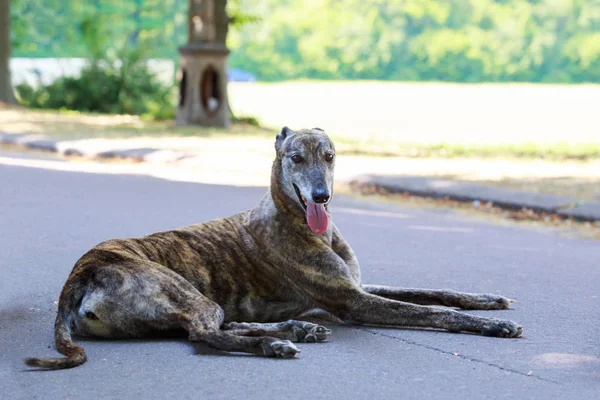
[(316, 214), (301, 198)]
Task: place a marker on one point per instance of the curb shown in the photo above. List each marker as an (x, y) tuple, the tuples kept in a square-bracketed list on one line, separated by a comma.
[(469, 192), (43, 143)]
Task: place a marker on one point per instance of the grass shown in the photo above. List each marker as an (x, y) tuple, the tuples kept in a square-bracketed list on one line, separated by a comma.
[(435, 119), (71, 125), (555, 151)]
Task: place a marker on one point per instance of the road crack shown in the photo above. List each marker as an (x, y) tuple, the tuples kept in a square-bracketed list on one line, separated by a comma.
[(462, 356)]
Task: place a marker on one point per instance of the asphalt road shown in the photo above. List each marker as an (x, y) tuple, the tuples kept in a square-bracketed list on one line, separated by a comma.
[(49, 218)]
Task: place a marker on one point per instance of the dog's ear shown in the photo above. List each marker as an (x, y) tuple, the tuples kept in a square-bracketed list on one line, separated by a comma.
[(318, 129), (285, 131)]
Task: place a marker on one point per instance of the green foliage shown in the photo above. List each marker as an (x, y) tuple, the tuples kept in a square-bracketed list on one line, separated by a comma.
[(238, 16), (53, 28), (116, 85), (104, 88), (447, 40), (444, 40), (116, 81)]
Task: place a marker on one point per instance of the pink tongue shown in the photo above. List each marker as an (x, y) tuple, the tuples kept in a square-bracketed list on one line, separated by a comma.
[(317, 218)]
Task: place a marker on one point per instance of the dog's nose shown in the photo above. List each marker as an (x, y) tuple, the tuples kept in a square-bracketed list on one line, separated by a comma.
[(320, 196)]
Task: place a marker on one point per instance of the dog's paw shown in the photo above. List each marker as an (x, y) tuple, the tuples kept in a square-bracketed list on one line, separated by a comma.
[(280, 349), (486, 301), (500, 328), (310, 333)]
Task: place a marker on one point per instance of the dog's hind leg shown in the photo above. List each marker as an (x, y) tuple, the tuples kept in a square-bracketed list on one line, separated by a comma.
[(139, 297), (444, 297), (295, 331)]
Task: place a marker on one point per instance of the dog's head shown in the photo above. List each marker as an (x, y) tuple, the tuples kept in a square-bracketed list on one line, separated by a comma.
[(307, 159)]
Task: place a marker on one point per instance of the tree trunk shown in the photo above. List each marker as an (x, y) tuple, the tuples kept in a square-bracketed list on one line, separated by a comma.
[(6, 90), (221, 21)]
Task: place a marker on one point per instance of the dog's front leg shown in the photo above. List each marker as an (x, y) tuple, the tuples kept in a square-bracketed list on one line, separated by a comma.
[(333, 287), (443, 297), (366, 308)]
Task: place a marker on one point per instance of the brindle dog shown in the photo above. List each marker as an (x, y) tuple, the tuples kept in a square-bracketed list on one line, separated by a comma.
[(275, 262)]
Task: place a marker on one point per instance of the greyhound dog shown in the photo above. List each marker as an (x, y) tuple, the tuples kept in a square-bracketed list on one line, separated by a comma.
[(276, 262)]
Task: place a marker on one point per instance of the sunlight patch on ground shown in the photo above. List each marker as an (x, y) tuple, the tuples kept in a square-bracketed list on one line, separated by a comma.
[(372, 213), (440, 229), (565, 359), (174, 173)]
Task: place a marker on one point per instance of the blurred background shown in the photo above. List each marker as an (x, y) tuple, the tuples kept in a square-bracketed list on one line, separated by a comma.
[(503, 92)]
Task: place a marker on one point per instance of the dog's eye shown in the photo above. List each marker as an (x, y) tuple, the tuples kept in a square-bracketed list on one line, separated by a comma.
[(329, 156), (296, 158)]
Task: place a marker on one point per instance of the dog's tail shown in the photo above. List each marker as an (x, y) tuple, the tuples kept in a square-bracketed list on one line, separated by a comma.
[(62, 337)]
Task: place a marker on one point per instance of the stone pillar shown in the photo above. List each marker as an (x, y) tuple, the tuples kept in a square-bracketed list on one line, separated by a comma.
[(203, 85)]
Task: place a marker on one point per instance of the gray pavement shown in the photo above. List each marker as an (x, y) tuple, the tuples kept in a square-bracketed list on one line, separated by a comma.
[(49, 218)]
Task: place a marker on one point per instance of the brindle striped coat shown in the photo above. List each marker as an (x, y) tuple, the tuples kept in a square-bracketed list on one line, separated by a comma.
[(273, 263)]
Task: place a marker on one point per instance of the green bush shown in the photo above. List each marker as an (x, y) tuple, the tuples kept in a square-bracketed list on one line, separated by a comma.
[(122, 87)]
